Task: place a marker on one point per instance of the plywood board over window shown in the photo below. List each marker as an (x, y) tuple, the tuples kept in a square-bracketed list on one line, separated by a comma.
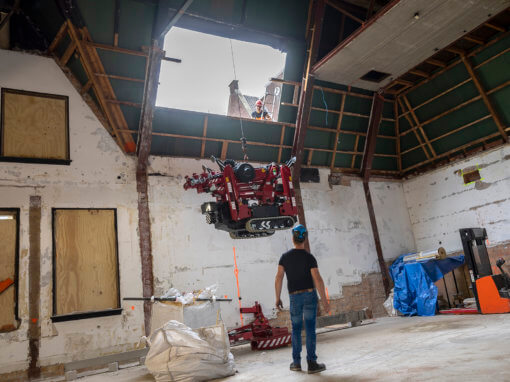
[(8, 269), (86, 272), (34, 127)]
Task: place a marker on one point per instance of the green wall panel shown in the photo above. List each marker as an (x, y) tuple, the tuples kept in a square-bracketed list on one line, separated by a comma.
[(346, 142), (456, 119), (343, 160), (350, 123)]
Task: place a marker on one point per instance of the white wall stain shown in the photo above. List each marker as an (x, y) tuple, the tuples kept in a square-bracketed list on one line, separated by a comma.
[(440, 204)]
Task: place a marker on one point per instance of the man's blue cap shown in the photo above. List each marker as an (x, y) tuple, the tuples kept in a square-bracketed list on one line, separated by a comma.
[(299, 232)]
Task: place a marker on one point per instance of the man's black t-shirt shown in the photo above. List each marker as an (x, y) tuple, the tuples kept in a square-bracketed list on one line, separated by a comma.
[(297, 264)]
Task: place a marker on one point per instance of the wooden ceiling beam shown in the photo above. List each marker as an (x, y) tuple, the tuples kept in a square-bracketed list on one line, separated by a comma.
[(397, 133), (338, 129), (413, 128), (419, 73), (495, 27), (436, 62), (372, 132), (116, 77), (474, 39), (486, 99), (58, 38), (455, 50), (84, 58), (342, 9)]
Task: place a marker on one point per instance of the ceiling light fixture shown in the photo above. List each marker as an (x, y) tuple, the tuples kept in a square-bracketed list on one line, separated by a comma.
[(417, 15), (6, 217)]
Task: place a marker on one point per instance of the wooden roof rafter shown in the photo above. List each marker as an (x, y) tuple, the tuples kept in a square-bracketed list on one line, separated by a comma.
[(98, 80)]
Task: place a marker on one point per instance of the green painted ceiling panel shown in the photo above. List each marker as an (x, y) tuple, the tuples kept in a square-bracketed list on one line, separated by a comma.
[(132, 116), (175, 121), (76, 67), (412, 158), (491, 51), (255, 153), (98, 16), (439, 84), (135, 24), (358, 105), (294, 61), (168, 146), (132, 92), (495, 72), (323, 119), (447, 102), (501, 100), (388, 110), (403, 124), (223, 127), (212, 148), (321, 158), (326, 100), (350, 123), (283, 17), (346, 142), (385, 146), (456, 119), (46, 15), (288, 138), (357, 162), (408, 141), (343, 160), (123, 64), (465, 136), (361, 143), (384, 163), (387, 128), (287, 93), (319, 139), (259, 132), (287, 114), (228, 11), (286, 153)]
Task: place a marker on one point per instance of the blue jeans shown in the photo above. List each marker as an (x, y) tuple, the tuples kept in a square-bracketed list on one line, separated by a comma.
[(303, 305)]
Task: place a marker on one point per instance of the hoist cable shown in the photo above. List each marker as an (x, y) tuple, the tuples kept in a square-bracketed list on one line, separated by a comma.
[(243, 138)]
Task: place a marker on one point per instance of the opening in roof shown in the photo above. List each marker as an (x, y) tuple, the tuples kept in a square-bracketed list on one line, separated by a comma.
[(218, 75)]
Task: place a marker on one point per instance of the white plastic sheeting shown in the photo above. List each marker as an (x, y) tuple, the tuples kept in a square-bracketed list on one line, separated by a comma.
[(179, 353)]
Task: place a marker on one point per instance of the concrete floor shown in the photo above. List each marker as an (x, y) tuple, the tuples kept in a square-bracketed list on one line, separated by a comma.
[(440, 348)]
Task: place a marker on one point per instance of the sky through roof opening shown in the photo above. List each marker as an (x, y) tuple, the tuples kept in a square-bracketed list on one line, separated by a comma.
[(201, 81)]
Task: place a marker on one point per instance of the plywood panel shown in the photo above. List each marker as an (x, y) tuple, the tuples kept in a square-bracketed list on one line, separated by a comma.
[(85, 261), (34, 125), (7, 268)]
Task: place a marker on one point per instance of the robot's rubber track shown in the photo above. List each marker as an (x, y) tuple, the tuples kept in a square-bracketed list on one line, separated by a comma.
[(270, 224), (249, 235)]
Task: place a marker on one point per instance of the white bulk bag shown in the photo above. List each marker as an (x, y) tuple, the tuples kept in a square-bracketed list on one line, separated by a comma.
[(179, 353)]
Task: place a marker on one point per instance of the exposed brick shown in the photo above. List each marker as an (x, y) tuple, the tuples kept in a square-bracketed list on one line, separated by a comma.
[(367, 294)]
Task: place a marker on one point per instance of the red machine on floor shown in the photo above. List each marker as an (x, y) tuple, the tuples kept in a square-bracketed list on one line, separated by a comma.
[(261, 335), (492, 292), (250, 202)]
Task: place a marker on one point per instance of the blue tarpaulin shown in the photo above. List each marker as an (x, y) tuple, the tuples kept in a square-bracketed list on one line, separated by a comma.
[(415, 292)]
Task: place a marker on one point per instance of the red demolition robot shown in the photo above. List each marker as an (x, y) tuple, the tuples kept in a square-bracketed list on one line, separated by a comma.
[(251, 202)]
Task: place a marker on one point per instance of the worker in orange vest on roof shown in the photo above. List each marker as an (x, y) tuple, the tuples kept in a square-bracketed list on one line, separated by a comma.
[(259, 113)]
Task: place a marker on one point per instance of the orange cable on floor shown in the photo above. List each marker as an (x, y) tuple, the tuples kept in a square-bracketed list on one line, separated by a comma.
[(236, 273), (327, 296)]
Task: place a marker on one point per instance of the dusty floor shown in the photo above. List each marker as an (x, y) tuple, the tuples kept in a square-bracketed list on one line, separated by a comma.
[(441, 348)]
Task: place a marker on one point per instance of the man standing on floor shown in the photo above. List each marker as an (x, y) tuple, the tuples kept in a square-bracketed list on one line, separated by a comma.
[(303, 279)]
